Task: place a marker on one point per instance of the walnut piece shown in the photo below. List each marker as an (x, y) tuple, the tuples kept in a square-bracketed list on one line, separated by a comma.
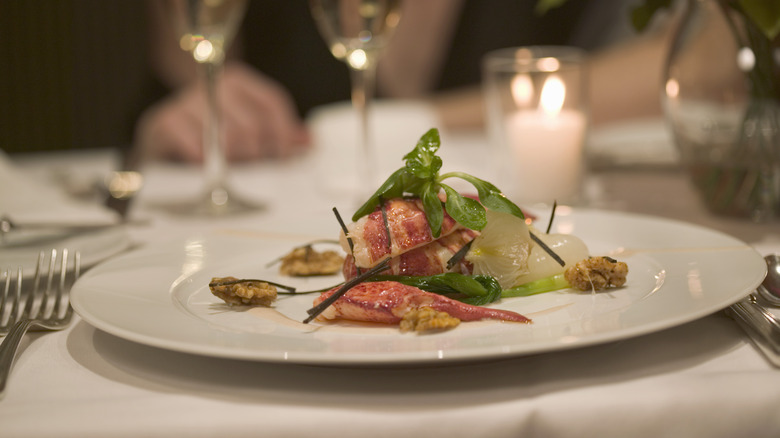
[(253, 293), (597, 273), (305, 261), (426, 319)]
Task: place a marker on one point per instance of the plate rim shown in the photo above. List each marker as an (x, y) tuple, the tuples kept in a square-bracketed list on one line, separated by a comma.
[(396, 358)]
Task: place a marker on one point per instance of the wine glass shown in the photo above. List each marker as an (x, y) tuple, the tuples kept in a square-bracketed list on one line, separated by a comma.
[(356, 31), (206, 29)]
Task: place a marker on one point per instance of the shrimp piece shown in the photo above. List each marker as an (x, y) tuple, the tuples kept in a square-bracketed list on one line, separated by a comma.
[(408, 229), (430, 259), (388, 301)]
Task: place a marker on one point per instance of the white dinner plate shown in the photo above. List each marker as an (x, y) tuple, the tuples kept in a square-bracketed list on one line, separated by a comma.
[(159, 296)]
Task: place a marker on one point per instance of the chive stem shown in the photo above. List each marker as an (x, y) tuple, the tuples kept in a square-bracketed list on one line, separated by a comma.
[(346, 234), (552, 216), (458, 256), (547, 249), (319, 308)]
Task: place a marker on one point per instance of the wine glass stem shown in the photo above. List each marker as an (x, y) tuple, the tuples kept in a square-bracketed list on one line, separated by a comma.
[(214, 163), (363, 82)]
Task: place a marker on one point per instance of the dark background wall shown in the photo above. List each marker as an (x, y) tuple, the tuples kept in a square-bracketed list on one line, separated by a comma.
[(73, 73)]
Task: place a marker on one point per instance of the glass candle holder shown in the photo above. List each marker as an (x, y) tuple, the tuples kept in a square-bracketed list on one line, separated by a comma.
[(536, 106)]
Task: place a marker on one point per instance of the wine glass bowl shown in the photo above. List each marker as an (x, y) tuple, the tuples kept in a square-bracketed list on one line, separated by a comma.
[(356, 30), (207, 28)]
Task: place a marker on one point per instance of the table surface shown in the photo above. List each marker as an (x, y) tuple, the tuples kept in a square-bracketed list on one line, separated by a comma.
[(703, 378)]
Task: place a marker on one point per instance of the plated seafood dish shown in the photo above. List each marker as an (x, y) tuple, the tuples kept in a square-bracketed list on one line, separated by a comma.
[(423, 256)]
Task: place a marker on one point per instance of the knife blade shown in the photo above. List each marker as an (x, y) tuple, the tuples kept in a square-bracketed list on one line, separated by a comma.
[(760, 325)]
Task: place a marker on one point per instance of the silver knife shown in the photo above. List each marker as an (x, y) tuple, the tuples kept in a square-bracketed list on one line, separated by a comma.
[(761, 325)]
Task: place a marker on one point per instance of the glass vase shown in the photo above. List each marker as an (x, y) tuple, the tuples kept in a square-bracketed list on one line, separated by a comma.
[(722, 101)]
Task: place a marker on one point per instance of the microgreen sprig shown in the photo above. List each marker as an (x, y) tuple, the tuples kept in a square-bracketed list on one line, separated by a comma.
[(420, 177)]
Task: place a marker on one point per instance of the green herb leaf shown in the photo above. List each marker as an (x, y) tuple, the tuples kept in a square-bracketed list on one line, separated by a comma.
[(433, 209), (492, 287), (393, 187), (489, 195), (466, 211), (420, 177), (422, 161), (476, 290)]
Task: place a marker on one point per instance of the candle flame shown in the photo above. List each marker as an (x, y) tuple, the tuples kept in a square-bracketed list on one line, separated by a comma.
[(522, 90), (548, 64), (553, 95), (672, 88)]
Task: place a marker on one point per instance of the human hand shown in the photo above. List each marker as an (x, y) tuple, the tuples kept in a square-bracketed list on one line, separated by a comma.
[(258, 119)]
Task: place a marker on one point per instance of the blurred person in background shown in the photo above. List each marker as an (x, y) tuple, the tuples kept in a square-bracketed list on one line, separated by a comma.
[(88, 73), (280, 68)]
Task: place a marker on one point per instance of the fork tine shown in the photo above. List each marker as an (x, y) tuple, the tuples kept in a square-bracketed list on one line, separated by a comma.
[(17, 298), (4, 297), (77, 262), (49, 321), (61, 298), (47, 296), (9, 302), (4, 300), (29, 303), (59, 291)]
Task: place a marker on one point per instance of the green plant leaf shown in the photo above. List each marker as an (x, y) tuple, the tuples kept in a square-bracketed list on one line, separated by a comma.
[(491, 285), (476, 290), (420, 177), (422, 161), (765, 14), (542, 6), (392, 187), (492, 198), (433, 209), (465, 211), (643, 13), (489, 195)]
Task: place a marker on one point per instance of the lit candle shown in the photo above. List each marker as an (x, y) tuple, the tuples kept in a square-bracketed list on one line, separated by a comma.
[(546, 144)]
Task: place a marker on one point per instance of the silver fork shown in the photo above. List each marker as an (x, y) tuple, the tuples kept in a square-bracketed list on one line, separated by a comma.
[(45, 306)]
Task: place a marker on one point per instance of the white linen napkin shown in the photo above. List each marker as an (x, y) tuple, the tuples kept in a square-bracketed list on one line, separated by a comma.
[(27, 201), (30, 201), (639, 142)]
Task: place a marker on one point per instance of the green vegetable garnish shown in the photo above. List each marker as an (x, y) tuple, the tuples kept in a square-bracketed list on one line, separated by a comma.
[(476, 290), (547, 284), (420, 177)]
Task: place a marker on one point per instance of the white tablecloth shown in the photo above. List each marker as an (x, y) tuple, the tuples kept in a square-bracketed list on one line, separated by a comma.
[(701, 379)]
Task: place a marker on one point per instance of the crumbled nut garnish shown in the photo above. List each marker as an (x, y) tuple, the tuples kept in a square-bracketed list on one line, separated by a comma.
[(426, 319), (254, 293), (597, 273), (305, 261)]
